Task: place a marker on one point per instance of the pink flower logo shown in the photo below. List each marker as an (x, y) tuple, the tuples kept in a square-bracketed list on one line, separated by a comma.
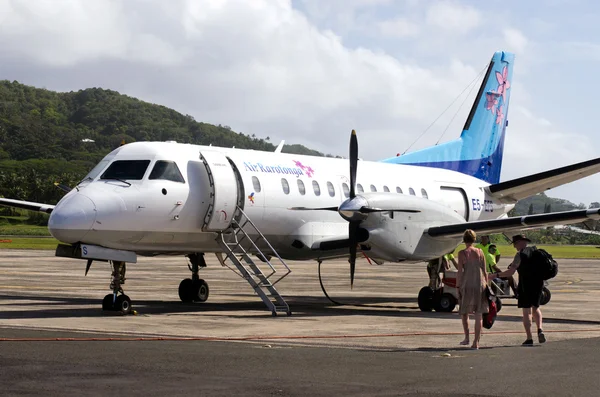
[(308, 170), (491, 100), (503, 83), (499, 115)]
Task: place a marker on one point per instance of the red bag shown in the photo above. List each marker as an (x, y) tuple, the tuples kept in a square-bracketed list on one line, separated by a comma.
[(490, 316)]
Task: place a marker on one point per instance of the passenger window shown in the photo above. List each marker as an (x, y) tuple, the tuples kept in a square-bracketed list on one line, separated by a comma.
[(386, 189), (424, 193), (346, 190), (256, 184), (398, 190), (166, 170), (285, 185), (411, 191), (360, 188), (126, 169), (331, 189), (301, 187), (316, 188), (373, 188)]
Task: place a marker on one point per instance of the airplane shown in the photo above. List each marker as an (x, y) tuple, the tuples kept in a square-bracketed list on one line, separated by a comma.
[(169, 198)]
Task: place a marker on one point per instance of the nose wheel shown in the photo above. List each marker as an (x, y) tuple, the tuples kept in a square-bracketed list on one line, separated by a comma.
[(117, 301)]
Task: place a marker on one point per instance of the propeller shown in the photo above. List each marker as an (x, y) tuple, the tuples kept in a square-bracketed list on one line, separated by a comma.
[(355, 209), (353, 162), (65, 188)]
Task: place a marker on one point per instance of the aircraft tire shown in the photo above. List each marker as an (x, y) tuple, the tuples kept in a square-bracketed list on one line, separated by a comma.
[(546, 295), (107, 303), (425, 299), (123, 304), (186, 290), (200, 291)]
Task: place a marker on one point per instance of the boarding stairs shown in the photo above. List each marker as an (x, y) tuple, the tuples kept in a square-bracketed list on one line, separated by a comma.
[(238, 242)]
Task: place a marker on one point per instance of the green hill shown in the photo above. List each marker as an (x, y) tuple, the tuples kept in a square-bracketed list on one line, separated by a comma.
[(540, 203), (47, 136)]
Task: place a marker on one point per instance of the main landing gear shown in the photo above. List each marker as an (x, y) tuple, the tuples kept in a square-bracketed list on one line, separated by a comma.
[(115, 302), (194, 289)]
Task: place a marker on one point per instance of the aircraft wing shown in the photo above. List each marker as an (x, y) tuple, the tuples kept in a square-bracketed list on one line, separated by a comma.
[(515, 223), (521, 188), (27, 205)]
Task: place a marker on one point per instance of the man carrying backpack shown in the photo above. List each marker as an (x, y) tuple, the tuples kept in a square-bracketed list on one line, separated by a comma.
[(531, 284)]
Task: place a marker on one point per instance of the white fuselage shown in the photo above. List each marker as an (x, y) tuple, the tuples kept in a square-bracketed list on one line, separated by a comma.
[(162, 216)]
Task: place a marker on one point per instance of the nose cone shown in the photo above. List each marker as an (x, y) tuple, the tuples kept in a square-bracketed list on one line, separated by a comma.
[(72, 218)]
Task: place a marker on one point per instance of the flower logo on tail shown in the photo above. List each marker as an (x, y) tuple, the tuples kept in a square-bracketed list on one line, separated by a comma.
[(503, 83), (491, 100), (499, 115)]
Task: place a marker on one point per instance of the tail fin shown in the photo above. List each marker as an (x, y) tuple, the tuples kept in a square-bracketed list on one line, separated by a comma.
[(478, 152)]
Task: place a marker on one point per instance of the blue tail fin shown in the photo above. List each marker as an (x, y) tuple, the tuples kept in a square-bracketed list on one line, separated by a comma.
[(478, 151)]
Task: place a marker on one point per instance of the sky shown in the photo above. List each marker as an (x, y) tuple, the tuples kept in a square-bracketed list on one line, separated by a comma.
[(310, 71)]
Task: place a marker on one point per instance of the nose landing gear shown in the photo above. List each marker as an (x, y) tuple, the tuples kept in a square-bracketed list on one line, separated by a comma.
[(115, 302)]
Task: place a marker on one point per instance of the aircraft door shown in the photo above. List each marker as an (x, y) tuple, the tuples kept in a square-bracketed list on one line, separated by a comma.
[(223, 191), (456, 199)]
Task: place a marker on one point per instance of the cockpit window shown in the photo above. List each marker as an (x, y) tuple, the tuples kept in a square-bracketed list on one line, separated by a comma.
[(166, 170), (96, 170), (126, 169)]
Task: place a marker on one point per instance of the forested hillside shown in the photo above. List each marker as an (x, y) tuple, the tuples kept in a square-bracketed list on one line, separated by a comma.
[(46, 136)]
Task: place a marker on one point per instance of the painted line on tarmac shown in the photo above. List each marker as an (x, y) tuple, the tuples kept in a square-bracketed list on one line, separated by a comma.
[(274, 337)]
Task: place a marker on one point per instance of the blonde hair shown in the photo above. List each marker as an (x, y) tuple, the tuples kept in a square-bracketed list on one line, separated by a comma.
[(469, 236)]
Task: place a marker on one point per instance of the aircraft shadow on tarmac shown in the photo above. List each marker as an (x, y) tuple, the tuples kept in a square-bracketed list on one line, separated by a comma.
[(301, 306)]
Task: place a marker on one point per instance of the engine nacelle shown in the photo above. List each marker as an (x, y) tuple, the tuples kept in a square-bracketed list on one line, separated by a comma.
[(398, 236)]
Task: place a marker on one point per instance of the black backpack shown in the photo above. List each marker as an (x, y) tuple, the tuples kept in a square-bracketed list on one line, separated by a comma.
[(545, 266)]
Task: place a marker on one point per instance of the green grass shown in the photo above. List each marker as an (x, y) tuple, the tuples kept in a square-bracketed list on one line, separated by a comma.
[(507, 252), (43, 243), (23, 230)]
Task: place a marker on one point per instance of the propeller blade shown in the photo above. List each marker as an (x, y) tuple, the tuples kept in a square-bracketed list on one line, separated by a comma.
[(87, 267), (353, 237), (353, 162), (366, 210), (314, 209), (62, 187)]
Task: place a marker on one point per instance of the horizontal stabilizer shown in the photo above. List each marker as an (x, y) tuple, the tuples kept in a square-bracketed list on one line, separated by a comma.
[(515, 223), (27, 205), (527, 186)]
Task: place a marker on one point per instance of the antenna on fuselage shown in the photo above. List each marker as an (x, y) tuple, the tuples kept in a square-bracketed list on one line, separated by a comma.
[(280, 146)]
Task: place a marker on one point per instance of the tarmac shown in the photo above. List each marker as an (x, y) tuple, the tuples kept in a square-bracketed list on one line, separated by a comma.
[(55, 339)]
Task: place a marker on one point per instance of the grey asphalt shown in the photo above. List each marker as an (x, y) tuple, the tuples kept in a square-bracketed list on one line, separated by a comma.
[(159, 368)]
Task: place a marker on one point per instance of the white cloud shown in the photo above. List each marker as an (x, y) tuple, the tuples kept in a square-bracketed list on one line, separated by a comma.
[(399, 27), (453, 17), (263, 67), (515, 40)]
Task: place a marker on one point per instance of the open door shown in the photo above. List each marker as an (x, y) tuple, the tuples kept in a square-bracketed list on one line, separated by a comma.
[(222, 191)]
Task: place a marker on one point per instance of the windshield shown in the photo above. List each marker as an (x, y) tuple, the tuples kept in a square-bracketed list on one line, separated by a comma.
[(95, 171), (166, 170), (126, 169)]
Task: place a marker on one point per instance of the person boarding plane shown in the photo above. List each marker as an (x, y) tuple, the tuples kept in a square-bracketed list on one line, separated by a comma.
[(168, 198)]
